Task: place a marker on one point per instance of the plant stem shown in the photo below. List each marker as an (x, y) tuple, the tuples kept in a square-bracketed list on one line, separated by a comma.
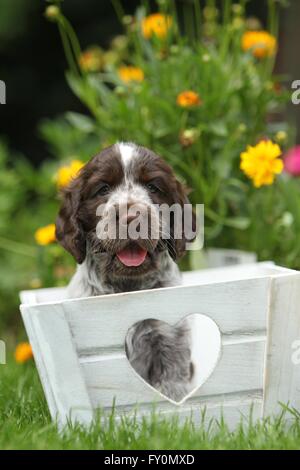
[(117, 5), (67, 49), (227, 12), (74, 42), (197, 9), (17, 247)]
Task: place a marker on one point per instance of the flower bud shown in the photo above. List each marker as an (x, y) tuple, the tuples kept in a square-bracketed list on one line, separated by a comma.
[(238, 9), (52, 12), (188, 137), (281, 136)]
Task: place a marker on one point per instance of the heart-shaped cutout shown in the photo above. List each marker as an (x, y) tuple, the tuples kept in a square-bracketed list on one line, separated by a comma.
[(174, 360)]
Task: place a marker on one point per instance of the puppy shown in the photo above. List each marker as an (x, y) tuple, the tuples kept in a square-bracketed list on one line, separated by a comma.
[(119, 189), (161, 355)]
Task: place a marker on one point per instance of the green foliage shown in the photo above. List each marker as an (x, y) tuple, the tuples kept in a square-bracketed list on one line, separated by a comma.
[(14, 19), (26, 203), (241, 102)]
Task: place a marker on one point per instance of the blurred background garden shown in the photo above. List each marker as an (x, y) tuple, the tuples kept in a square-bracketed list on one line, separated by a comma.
[(206, 84)]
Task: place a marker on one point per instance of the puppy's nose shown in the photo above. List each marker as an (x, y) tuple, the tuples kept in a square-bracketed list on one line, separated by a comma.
[(129, 213), (125, 219)]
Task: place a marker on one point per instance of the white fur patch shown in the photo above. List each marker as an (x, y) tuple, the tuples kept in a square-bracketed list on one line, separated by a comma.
[(127, 190), (127, 152)]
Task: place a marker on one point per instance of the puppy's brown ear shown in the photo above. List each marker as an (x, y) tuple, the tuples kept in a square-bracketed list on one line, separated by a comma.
[(188, 233), (69, 232)]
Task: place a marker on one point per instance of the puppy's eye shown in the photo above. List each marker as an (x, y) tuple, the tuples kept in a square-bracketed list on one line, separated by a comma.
[(103, 189), (152, 188)]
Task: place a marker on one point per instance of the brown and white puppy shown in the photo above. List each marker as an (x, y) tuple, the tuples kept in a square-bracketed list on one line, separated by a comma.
[(130, 175), (124, 175)]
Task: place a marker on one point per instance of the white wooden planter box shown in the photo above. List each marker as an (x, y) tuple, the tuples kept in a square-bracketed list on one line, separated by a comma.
[(78, 344)]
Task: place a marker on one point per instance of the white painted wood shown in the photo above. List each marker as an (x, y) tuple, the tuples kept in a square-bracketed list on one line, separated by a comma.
[(204, 276), (37, 296), (29, 297), (219, 257), (206, 349), (41, 364), (235, 306), (282, 371), (57, 363), (233, 273), (227, 274), (206, 411), (111, 376), (78, 343)]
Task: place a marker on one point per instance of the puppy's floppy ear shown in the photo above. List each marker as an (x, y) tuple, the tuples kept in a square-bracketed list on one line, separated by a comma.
[(69, 232), (179, 245)]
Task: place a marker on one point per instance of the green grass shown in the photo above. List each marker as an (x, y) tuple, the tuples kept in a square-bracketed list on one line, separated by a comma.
[(25, 424)]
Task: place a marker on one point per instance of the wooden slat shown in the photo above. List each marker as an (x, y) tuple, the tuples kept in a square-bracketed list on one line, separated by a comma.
[(58, 364), (200, 277), (206, 411), (237, 306), (37, 296), (233, 273), (282, 376), (111, 376)]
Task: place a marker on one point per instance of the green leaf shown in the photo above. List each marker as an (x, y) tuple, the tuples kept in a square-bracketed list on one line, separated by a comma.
[(241, 223), (81, 122), (218, 128)]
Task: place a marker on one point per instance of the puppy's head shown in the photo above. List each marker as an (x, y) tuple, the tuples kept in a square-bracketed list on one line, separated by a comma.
[(112, 209)]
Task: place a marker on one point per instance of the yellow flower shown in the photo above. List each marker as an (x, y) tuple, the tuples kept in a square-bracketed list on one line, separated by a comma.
[(261, 163), (130, 74), (91, 60), (45, 235), (156, 24), (68, 172), (23, 352), (260, 43), (188, 98)]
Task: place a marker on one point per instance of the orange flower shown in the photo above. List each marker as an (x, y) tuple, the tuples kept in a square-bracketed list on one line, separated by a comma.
[(130, 74), (45, 235), (23, 353), (260, 43), (91, 60), (188, 99), (156, 24)]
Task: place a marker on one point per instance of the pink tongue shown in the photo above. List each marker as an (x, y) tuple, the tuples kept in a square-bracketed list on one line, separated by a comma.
[(132, 256)]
